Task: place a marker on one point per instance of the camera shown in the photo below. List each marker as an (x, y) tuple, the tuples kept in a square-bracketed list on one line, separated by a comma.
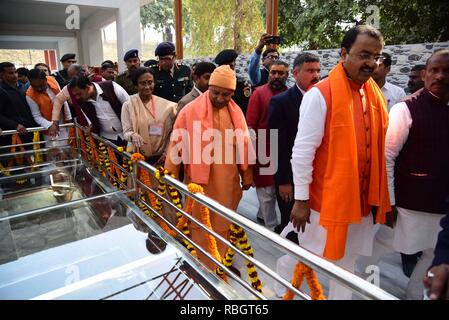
[(273, 40)]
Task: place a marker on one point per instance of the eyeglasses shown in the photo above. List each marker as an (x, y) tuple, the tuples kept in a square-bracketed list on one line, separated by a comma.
[(166, 58), (368, 57)]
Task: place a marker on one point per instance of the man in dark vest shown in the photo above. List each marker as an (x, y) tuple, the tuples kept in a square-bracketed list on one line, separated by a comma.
[(61, 76), (102, 104), (417, 156)]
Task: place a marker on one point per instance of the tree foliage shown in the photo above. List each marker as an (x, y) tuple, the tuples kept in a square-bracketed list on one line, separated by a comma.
[(159, 15), (221, 24), (210, 26), (321, 23)]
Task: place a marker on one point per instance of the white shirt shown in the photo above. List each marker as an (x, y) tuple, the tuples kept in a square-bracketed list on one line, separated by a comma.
[(110, 124), (302, 91), (415, 230), (197, 90), (399, 124), (393, 94), (37, 115), (312, 118)]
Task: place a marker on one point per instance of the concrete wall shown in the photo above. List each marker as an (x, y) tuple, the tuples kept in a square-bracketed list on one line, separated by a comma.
[(404, 57)]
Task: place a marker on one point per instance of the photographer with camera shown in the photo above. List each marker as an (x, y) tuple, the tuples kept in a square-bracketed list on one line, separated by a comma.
[(259, 76)]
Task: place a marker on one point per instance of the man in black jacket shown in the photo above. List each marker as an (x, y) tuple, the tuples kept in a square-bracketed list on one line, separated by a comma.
[(284, 117), (15, 114)]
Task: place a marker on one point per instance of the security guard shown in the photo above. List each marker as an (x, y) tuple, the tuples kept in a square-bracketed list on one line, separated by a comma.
[(173, 80), (132, 61), (61, 76), (243, 89)]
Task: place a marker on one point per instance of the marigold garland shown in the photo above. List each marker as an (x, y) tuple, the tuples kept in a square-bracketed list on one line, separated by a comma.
[(301, 271), (17, 142), (174, 195), (205, 219), (36, 147), (239, 239)]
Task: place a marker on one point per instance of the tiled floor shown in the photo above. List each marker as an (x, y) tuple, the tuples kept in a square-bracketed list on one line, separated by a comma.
[(392, 279)]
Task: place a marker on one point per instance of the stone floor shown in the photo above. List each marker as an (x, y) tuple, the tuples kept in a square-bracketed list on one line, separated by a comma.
[(392, 278)]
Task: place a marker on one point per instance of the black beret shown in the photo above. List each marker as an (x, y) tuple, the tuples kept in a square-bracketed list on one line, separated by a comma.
[(133, 53), (67, 56), (150, 63), (164, 49), (226, 56)]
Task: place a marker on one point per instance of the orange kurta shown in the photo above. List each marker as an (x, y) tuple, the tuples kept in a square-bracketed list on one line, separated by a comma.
[(349, 174), (224, 187), (223, 184)]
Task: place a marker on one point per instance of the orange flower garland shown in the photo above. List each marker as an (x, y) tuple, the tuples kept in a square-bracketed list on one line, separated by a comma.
[(144, 176), (159, 173), (301, 271), (205, 219)]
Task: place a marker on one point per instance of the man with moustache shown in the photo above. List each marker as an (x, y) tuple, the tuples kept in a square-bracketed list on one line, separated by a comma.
[(415, 81), (284, 117), (124, 79), (201, 76), (417, 156), (257, 119), (338, 160)]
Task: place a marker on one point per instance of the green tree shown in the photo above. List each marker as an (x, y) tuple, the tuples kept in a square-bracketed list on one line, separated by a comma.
[(216, 25), (159, 15), (321, 24)]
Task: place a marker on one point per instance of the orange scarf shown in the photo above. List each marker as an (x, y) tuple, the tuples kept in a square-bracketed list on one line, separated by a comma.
[(42, 99), (340, 204), (196, 117)]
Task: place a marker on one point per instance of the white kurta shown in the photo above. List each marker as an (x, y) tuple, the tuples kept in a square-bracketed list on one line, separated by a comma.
[(310, 134), (46, 123), (415, 230), (110, 124)]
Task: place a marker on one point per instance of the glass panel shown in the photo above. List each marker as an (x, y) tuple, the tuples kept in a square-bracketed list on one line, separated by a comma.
[(98, 249)]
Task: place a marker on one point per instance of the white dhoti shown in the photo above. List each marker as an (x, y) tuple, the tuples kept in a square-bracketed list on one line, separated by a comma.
[(359, 242), (414, 231)]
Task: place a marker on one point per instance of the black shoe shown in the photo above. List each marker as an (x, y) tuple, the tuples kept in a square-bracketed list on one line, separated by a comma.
[(261, 220), (235, 271), (409, 262), (154, 243)]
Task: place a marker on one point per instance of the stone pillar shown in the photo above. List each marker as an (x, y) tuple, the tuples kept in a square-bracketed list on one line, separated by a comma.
[(128, 29)]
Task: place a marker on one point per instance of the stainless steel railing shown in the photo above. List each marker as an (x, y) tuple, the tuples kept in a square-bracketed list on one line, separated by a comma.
[(344, 277)]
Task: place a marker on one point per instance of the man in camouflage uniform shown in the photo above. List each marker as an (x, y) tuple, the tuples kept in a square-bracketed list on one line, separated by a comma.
[(243, 89), (173, 80), (132, 61)]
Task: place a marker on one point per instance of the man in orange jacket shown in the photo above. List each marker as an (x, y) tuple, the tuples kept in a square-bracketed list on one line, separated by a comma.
[(338, 159)]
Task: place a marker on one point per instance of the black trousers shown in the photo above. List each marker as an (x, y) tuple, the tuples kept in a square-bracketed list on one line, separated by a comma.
[(286, 209)]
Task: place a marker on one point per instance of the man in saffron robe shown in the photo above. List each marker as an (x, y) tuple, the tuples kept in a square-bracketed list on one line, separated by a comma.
[(338, 159), (219, 164)]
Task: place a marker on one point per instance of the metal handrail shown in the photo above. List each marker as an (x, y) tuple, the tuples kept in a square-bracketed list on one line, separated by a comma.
[(318, 263), (33, 129), (329, 269)]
